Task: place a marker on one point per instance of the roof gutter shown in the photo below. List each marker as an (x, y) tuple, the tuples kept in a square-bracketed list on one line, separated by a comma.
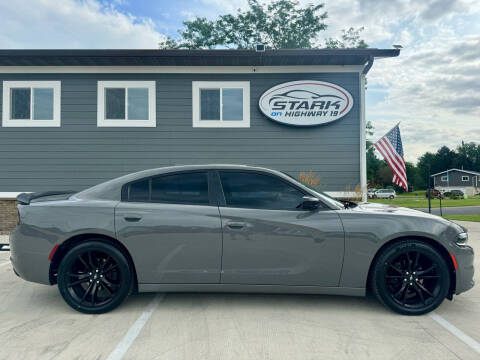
[(369, 65)]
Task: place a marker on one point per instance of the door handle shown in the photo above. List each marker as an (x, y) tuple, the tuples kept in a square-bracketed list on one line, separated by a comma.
[(236, 225), (132, 218)]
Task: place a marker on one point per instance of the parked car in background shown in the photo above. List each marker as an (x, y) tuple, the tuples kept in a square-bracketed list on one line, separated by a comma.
[(384, 194), (454, 194), (434, 193), (233, 228), (371, 192)]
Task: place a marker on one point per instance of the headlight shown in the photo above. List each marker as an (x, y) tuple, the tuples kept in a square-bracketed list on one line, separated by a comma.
[(461, 238)]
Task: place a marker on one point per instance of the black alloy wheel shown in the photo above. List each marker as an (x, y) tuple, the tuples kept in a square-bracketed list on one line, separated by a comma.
[(94, 277), (411, 278)]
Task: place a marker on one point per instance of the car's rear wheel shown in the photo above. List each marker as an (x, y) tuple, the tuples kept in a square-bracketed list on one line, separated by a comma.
[(94, 277), (410, 277)]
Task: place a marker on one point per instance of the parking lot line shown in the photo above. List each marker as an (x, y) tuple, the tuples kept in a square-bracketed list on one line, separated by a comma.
[(456, 331), (119, 352)]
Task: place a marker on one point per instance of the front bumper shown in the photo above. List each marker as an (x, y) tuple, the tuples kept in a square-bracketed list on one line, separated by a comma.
[(29, 256), (464, 274)]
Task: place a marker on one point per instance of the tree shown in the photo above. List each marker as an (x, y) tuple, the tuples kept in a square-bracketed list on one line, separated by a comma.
[(281, 24), (349, 39)]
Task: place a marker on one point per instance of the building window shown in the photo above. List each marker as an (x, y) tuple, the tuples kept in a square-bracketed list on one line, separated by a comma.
[(465, 178), (444, 178), (221, 104), (126, 103), (31, 103)]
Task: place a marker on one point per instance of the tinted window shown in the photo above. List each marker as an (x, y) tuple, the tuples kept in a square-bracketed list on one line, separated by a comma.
[(191, 188), (139, 191), (210, 104), (114, 103), (257, 191), (20, 103)]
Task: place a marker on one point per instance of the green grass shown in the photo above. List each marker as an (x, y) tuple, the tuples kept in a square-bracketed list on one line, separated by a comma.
[(418, 193), (466, 217), (422, 202)]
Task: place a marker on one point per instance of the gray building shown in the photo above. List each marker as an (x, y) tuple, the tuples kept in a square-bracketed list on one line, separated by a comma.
[(457, 179), (75, 118)]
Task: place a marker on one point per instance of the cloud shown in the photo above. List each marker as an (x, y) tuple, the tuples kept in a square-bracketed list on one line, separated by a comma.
[(434, 89), (72, 24)]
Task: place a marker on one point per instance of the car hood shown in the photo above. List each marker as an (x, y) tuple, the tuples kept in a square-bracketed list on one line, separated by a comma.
[(396, 210)]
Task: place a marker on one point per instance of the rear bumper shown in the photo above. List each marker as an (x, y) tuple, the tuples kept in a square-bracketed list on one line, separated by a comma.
[(29, 256), (464, 274)]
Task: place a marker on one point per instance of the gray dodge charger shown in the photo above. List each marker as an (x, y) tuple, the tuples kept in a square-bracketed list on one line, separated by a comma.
[(233, 228)]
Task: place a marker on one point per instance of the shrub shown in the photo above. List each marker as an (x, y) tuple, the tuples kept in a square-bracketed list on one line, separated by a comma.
[(310, 179)]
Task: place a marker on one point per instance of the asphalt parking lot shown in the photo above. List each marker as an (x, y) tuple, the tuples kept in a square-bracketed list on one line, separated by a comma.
[(35, 323)]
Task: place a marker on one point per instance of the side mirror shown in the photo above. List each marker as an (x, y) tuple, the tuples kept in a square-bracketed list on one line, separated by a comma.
[(310, 203)]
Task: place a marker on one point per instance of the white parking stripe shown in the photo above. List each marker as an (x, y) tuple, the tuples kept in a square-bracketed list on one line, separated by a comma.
[(132, 333), (5, 263), (456, 331)]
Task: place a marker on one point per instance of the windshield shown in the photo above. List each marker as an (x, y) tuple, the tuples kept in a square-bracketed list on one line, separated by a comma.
[(320, 194)]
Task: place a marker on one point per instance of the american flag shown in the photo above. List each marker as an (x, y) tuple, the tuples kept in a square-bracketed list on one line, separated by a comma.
[(390, 146)]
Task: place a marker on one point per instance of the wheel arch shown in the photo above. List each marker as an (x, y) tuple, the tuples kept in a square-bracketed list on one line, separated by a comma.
[(435, 244), (78, 239)]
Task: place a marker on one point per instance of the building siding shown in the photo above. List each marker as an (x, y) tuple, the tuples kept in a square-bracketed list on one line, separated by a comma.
[(78, 154), (455, 179)]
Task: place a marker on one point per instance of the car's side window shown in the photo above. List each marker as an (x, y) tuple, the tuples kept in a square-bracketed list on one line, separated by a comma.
[(139, 191), (258, 191), (190, 188), (182, 188)]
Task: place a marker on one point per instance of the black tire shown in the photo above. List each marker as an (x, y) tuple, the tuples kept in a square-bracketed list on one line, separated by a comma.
[(410, 277), (391, 197), (94, 277)]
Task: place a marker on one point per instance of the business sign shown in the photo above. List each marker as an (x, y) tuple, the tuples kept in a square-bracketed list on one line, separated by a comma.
[(306, 102)]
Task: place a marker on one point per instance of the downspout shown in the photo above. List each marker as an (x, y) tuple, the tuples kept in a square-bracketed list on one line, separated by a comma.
[(369, 65), (363, 147)]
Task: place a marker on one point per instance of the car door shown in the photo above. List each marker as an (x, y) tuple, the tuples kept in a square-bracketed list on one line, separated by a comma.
[(268, 240), (171, 226)]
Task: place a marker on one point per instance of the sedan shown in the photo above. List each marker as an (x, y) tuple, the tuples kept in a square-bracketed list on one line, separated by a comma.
[(233, 228)]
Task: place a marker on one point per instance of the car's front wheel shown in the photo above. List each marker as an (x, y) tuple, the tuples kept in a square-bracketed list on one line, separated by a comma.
[(410, 277), (391, 197), (94, 277)]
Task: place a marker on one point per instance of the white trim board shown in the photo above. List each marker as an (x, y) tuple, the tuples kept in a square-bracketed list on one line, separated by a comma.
[(363, 147), (10, 195), (126, 84), (32, 85), (197, 86), (181, 69)]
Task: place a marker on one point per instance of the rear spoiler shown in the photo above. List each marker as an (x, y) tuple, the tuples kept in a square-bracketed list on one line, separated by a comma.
[(26, 198)]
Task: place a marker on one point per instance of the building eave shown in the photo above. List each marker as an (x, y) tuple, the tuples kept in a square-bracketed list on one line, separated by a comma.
[(220, 57)]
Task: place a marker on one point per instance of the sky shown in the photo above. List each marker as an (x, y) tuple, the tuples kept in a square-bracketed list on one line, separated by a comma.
[(432, 88)]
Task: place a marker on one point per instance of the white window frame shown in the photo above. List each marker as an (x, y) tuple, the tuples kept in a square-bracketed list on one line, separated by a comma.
[(152, 115), (8, 85), (465, 178), (444, 178), (198, 85)]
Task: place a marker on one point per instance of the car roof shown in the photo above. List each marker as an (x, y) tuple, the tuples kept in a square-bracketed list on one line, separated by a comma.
[(110, 190)]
